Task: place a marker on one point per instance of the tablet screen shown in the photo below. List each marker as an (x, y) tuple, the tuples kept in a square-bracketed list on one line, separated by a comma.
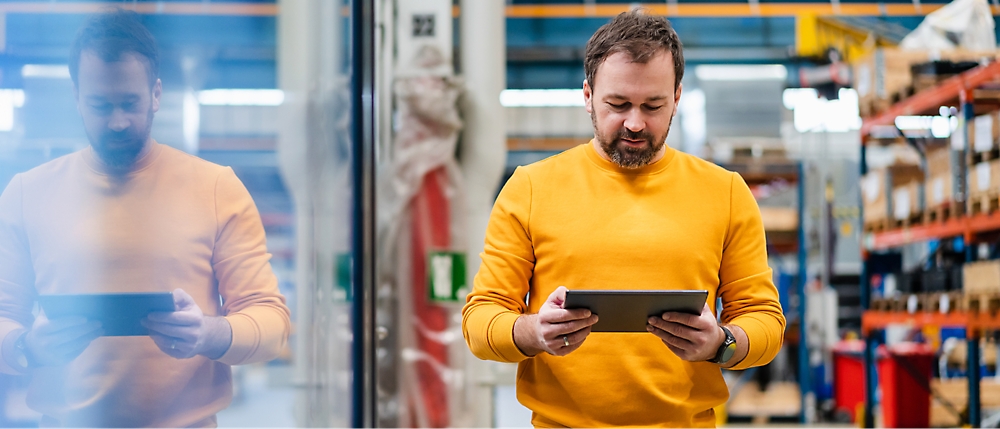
[(119, 314), (628, 310)]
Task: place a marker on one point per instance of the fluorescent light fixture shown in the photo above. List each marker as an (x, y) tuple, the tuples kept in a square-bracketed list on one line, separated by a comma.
[(241, 97), (792, 97), (9, 100), (45, 71), (541, 98), (741, 72), (939, 126), (819, 114)]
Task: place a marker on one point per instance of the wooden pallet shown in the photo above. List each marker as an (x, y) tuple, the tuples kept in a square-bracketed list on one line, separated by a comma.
[(879, 225), (883, 304), (911, 219), (981, 302), (990, 155), (942, 212), (984, 204), (941, 302)]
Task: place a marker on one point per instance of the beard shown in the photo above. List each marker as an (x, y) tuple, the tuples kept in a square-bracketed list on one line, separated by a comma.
[(624, 155), (122, 149)]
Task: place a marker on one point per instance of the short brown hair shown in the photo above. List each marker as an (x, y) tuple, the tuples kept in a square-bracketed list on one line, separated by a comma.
[(639, 35)]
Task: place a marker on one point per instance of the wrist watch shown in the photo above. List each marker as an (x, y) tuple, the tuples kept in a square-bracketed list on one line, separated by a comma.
[(726, 350), (24, 359)]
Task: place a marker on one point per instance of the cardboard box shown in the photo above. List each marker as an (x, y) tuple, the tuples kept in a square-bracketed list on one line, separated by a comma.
[(984, 179), (984, 132), (876, 189), (981, 277), (886, 72), (906, 201), (939, 190)]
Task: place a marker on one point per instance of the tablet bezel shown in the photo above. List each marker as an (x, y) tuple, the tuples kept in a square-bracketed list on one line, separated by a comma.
[(610, 306)]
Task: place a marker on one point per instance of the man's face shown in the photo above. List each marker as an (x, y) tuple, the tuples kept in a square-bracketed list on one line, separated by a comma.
[(632, 106), (117, 105)]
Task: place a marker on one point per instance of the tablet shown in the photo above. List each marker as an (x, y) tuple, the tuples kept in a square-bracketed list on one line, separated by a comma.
[(628, 310), (119, 313)]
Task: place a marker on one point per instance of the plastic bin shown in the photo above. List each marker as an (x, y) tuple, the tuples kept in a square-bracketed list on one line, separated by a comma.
[(849, 376), (904, 373)]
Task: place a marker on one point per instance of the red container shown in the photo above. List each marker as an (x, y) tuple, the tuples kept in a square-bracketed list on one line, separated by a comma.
[(849, 376), (903, 375)]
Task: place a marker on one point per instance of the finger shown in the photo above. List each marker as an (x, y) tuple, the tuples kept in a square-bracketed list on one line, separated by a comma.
[(557, 297), (560, 329), (183, 301), (72, 349), (185, 333), (690, 320), (563, 316), (164, 343), (71, 334), (180, 318), (676, 329), (670, 339), (55, 325), (578, 337)]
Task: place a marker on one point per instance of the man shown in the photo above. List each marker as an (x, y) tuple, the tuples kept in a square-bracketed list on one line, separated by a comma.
[(128, 214), (624, 212)]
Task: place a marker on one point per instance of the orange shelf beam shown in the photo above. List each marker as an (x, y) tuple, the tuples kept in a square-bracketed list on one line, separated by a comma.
[(966, 227), (930, 100), (871, 320)]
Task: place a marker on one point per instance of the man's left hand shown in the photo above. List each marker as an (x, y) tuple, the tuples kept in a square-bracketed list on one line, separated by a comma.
[(187, 332), (692, 338)]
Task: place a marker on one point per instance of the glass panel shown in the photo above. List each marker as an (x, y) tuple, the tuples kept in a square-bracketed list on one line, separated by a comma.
[(198, 153)]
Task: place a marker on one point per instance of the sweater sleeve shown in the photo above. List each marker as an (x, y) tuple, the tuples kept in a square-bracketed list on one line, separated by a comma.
[(17, 278), (500, 286), (252, 304), (749, 298)]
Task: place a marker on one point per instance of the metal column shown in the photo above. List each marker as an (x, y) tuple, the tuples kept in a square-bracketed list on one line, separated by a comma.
[(805, 384), (870, 343), (972, 335)]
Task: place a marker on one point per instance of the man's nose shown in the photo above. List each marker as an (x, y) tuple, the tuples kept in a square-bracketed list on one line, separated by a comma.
[(118, 121), (634, 121)]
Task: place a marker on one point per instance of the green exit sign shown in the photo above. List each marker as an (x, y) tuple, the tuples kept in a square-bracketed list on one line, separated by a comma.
[(446, 272)]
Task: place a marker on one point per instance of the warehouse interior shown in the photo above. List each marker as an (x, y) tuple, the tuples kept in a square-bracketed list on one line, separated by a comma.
[(375, 135)]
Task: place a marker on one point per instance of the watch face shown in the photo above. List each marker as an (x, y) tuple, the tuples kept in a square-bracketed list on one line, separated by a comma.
[(728, 353)]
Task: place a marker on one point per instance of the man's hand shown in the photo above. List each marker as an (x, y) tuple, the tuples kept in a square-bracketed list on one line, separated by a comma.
[(187, 332), (553, 327), (692, 338), (57, 342)]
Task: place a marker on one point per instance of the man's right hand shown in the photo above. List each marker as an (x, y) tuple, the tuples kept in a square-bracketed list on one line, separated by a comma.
[(553, 327), (57, 342)]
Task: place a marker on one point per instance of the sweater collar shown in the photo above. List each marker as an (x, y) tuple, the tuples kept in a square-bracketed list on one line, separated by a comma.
[(653, 168), (146, 158)]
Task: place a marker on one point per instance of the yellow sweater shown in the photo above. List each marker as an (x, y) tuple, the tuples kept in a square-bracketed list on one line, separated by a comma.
[(580, 221), (175, 221)]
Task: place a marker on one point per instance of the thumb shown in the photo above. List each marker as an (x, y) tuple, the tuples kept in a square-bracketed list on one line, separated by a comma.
[(557, 297), (182, 301)]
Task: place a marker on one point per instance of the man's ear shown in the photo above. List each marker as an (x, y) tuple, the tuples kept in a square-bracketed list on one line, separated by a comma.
[(76, 97), (157, 92), (677, 97), (587, 97)]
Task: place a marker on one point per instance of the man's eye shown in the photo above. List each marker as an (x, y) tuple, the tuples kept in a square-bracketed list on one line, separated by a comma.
[(653, 108), (101, 107), (618, 106)]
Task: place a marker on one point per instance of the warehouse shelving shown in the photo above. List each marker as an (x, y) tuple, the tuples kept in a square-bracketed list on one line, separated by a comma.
[(975, 91)]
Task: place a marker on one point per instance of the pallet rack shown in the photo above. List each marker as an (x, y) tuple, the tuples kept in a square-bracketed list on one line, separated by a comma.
[(975, 91)]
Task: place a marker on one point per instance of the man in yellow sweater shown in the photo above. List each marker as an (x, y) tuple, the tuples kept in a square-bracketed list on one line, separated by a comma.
[(125, 215), (624, 212)]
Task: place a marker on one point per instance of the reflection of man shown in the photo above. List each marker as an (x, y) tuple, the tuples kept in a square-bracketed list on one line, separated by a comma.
[(624, 212), (130, 215)]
